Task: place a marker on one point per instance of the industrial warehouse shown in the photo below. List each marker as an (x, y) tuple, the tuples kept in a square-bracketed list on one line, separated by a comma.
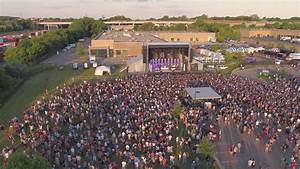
[(152, 51)]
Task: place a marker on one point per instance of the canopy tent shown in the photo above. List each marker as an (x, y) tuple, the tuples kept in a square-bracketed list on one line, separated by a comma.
[(101, 70), (202, 93)]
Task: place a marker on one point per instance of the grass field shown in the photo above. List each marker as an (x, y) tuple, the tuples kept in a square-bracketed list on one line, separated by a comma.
[(32, 89)]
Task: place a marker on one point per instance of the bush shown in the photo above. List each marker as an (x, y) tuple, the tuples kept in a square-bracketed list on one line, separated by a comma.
[(16, 69), (176, 110), (206, 148), (229, 56), (5, 80), (79, 49), (215, 48)]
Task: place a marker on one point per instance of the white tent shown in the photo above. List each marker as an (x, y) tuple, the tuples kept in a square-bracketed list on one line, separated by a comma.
[(100, 70)]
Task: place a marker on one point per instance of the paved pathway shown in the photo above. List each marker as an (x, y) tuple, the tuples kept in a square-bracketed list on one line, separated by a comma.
[(250, 149), (253, 71)]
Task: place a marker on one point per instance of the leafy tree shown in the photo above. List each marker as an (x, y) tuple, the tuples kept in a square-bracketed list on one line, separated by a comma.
[(118, 18), (20, 160), (280, 46), (215, 48), (229, 56), (176, 110), (145, 27), (5, 80), (252, 26), (97, 27), (203, 16), (79, 49), (270, 46), (16, 69), (33, 50), (240, 26), (178, 27), (206, 148), (9, 24)]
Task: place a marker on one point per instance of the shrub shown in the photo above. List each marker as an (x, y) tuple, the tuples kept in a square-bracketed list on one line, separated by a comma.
[(16, 69)]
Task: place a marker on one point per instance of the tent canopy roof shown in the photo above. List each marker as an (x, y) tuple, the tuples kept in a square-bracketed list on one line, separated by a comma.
[(201, 93)]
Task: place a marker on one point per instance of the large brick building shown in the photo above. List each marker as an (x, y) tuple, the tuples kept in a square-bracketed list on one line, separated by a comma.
[(115, 43), (159, 50), (274, 33)]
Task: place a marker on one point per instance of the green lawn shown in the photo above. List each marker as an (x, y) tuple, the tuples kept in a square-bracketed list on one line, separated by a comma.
[(231, 67), (33, 88)]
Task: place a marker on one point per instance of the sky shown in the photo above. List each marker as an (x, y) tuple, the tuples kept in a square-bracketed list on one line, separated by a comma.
[(141, 9)]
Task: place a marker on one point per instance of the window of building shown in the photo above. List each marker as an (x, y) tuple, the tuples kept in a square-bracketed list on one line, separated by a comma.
[(172, 39), (124, 52), (197, 39), (99, 52), (121, 52), (191, 39), (118, 52), (178, 39)]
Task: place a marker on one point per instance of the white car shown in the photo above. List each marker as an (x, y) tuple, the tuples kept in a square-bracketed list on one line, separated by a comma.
[(223, 67), (92, 59), (277, 62), (95, 64), (75, 66), (86, 65), (72, 45)]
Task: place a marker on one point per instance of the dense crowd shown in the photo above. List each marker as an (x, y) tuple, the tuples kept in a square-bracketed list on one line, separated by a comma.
[(128, 122)]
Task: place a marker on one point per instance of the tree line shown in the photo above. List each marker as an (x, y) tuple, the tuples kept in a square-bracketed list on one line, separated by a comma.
[(223, 31), (33, 50), (253, 17), (10, 24)]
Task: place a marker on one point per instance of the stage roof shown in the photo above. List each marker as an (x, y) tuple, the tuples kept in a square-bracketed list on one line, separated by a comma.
[(168, 45), (201, 93)]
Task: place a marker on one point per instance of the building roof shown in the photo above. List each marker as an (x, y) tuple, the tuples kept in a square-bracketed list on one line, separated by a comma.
[(201, 93), (130, 36), (167, 44)]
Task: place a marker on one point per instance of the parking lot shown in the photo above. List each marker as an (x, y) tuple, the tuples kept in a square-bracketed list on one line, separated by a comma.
[(69, 57)]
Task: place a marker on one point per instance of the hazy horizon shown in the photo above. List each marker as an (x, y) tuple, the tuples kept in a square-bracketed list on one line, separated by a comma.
[(141, 9)]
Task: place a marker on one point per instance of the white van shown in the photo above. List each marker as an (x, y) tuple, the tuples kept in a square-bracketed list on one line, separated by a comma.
[(92, 59)]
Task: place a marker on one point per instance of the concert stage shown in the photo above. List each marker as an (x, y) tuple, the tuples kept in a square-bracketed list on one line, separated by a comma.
[(167, 57)]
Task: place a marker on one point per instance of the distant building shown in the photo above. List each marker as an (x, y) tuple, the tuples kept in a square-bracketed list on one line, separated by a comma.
[(273, 33), (129, 25)]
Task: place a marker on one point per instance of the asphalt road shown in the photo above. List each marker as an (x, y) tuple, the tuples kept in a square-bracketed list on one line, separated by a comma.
[(249, 149), (253, 72)]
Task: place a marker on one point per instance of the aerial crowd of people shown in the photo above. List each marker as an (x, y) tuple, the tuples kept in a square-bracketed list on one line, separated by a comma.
[(129, 122)]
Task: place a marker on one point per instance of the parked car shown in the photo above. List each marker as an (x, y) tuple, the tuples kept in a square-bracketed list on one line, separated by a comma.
[(95, 64), (86, 65), (75, 66)]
